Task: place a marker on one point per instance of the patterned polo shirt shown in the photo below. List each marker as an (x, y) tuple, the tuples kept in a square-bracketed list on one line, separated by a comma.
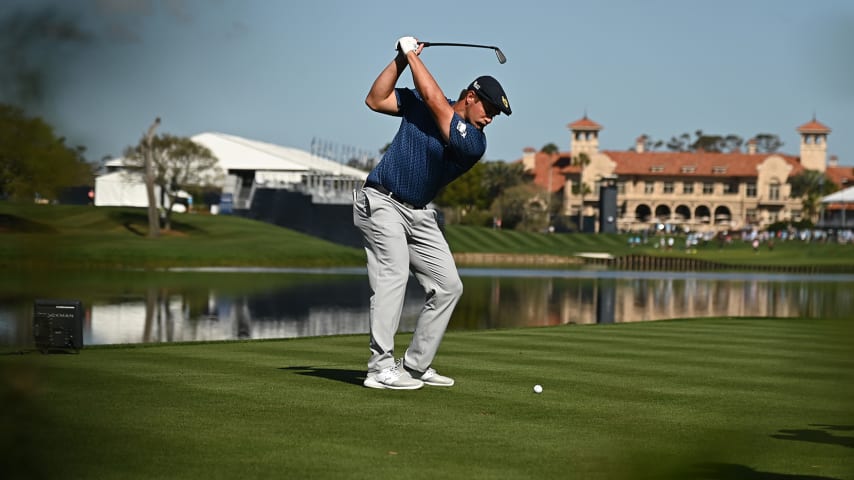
[(418, 163)]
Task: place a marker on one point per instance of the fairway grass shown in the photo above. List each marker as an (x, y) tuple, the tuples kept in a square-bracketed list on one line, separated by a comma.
[(701, 398)]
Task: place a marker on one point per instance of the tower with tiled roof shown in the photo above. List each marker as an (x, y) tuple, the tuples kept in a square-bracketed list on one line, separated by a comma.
[(814, 145), (585, 136)]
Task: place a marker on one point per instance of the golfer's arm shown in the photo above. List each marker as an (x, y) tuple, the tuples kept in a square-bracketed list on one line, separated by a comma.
[(432, 94), (381, 97)]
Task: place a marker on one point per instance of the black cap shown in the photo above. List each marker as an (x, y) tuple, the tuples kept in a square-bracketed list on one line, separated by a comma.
[(488, 88)]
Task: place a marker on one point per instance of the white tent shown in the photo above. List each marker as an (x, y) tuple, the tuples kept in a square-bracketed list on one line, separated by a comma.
[(843, 199), (237, 153), (119, 189), (127, 189), (842, 196), (269, 164)]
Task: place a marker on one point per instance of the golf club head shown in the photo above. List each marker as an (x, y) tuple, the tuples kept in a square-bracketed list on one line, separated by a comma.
[(501, 58)]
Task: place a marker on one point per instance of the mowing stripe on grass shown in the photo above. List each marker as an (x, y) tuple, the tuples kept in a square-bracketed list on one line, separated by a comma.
[(673, 399)]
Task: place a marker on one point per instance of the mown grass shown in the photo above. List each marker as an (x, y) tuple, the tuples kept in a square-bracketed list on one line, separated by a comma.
[(107, 237), (708, 398)]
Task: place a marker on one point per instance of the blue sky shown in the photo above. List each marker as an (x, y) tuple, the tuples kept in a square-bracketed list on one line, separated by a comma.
[(288, 72)]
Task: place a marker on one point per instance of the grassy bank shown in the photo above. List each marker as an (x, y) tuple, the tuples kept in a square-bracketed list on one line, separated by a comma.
[(710, 398), (107, 237), (87, 237)]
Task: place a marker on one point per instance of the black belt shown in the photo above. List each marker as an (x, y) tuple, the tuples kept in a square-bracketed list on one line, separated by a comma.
[(391, 195)]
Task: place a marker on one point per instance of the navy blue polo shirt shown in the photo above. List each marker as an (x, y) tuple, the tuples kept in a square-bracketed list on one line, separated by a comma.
[(418, 163)]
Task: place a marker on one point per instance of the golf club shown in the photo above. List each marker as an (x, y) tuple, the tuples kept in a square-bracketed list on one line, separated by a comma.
[(498, 52)]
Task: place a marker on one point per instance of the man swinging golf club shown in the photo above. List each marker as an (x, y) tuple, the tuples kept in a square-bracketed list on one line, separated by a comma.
[(439, 139)]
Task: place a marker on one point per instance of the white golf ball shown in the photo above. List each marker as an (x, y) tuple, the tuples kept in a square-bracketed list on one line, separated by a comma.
[(538, 388)]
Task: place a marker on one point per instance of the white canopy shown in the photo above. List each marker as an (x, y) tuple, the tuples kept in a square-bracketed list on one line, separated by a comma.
[(271, 164), (238, 153), (127, 189), (842, 196), (122, 189)]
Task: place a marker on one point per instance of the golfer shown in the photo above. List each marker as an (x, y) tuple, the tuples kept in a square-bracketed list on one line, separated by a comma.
[(438, 140)]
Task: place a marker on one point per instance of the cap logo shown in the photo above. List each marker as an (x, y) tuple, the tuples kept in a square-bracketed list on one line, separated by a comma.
[(505, 102), (475, 85)]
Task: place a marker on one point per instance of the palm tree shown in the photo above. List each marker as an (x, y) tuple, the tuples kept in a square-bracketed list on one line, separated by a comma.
[(499, 176), (581, 188), (810, 186)]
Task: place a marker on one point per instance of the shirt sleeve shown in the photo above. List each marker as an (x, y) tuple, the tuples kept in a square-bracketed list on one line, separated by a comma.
[(468, 142), (405, 97)]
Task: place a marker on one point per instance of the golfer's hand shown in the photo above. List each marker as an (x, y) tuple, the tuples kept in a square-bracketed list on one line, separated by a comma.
[(407, 44)]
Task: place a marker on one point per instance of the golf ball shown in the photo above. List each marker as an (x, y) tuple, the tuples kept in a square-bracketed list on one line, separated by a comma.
[(538, 388)]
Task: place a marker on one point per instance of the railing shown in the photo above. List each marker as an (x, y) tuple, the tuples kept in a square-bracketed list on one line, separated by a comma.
[(651, 262)]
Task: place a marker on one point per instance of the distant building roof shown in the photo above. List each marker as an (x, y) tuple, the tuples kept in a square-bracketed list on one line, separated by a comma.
[(584, 124), (814, 126), (238, 153)]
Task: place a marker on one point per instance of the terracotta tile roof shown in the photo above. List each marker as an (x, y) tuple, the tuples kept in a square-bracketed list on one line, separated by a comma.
[(814, 126), (678, 164), (842, 176), (543, 163), (584, 124), (697, 164)]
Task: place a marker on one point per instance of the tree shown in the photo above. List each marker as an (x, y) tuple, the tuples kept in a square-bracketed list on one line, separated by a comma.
[(522, 207), (767, 143), (499, 176), (178, 164), (466, 194), (680, 143), (705, 143), (810, 186), (649, 145), (550, 148), (148, 162), (34, 162), (581, 189)]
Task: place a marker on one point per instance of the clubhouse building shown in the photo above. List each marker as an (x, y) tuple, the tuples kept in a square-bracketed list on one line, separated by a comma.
[(699, 191)]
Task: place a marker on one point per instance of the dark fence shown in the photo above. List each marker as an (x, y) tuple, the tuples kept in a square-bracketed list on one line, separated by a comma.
[(649, 262), (296, 211)]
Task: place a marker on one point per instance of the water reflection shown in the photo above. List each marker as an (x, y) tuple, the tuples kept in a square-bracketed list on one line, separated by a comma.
[(290, 304)]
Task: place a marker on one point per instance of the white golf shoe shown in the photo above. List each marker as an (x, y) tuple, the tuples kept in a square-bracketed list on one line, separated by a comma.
[(393, 378), (431, 377)]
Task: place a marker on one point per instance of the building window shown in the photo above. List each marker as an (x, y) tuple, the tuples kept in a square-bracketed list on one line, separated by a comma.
[(656, 168), (797, 215), (687, 187), (708, 188), (718, 170), (689, 169), (751, 215), (774, 191), (730, 188), (668, 187), (773, 217), (621, 188), (648, 187), (751, 190)]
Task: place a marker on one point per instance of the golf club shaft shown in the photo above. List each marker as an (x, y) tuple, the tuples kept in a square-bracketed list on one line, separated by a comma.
[(498, 52), (447, 44)]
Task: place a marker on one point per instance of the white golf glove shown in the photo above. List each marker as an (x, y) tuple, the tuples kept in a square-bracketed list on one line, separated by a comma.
[(407, 44)]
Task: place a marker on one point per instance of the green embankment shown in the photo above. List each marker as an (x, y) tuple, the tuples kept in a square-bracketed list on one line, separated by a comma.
[(105, 237)]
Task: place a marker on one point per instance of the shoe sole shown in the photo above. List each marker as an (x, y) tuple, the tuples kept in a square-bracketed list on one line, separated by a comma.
[(434, 384), (371, 383)]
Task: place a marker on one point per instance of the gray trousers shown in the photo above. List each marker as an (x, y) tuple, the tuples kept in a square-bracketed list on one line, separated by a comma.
[(399, 240)]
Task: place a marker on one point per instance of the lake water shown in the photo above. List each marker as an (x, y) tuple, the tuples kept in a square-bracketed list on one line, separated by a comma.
[(230, 304)]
